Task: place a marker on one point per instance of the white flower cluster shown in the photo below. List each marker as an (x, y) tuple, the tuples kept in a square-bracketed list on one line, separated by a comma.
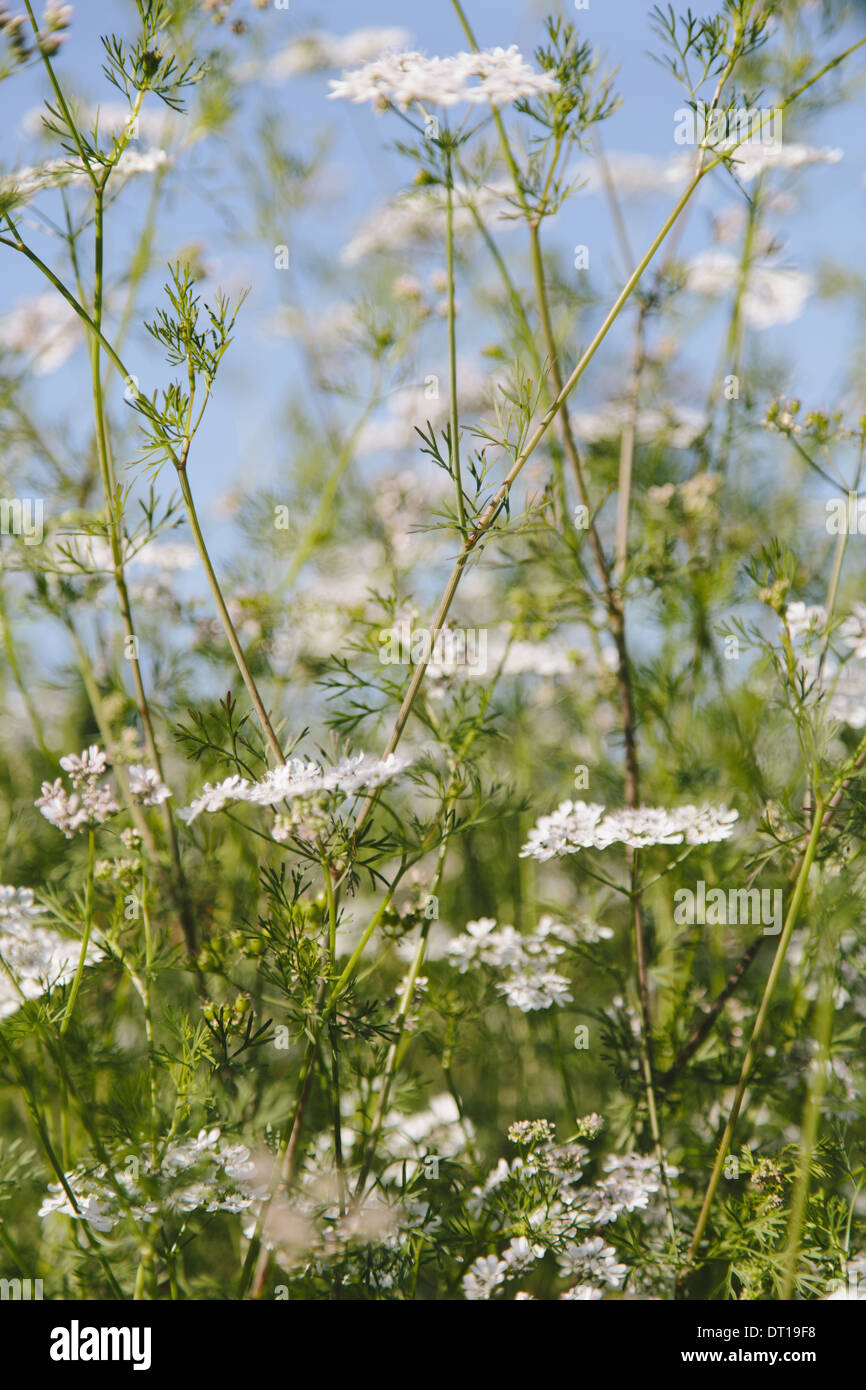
[(438, 1130), (496, 76), (531, 1132), (576, 825), (772, 293), (203, 1174), (34, 959), (298, 779), (317, 51), (530, 981), (24, 184), (146, 785), (548, 1183), (675, 425), (590, 1126), (805, 621), (842, 684), (594, 1261), (753, 159), (418, 217), (488, 1273), (630, 1181), (853, 631), (91, 803), (45, 328)]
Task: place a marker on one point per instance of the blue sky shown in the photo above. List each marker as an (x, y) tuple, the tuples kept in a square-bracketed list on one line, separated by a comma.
[(828, 220)]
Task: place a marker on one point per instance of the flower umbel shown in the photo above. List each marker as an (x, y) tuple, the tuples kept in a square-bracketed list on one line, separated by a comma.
[(496, 76), (90, 804)]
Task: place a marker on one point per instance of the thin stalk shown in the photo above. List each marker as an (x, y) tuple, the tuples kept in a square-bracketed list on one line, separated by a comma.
[(22, 687), (491, 512), (626, 454), (284, 1166), (16, 244), (758, 1028), (704, 1027), (41, 1129), (452, 342), (105, 733), (645, 1043), (612, 586), (112, 504), (85, 939), (59, 97), (334, 1037), (811, 1121), (337, 1120), (225, 618), (147, 1004), (420, 951)]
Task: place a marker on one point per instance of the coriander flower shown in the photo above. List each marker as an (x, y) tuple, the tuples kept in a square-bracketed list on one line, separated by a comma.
[(317, 51), (21, 185), (496, 76), (146, 785), (299, 779), (584, 931), (630, 1181), (531, 1131), (752, 158), (594, 1260), (204, 1174), (853, 631), (90, 804), (805, 622), (520, 1255), (484, 1277), (92, 764), (590, 1126), (773, 294), (529, 990), (44, 328), (526, 960), (33, 959), (576, 825)]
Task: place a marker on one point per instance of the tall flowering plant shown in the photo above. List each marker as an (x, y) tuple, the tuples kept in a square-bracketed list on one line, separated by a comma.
[(401, 930)]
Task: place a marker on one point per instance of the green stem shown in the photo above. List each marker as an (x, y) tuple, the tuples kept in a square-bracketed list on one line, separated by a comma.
[(289, 1140), (21, 684), (225, 618), (811, 1116), (452, 342), (85, 939), (113, 509), (58, 93), (760, 1020)]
